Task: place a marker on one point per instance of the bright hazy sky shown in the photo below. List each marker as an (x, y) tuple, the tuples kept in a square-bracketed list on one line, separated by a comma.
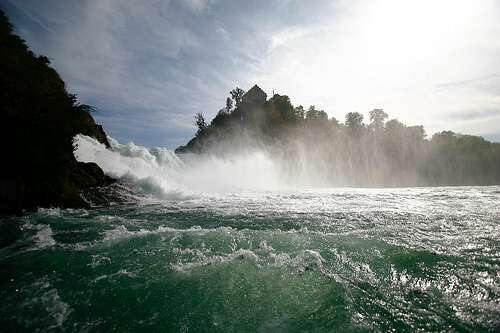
[(149, 66)]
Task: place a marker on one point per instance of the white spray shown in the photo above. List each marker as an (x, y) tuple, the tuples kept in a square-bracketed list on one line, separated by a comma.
[(161, 173)]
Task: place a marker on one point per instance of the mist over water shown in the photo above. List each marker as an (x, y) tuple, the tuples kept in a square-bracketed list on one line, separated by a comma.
[(161, 173), (247, 166), (229, 244)]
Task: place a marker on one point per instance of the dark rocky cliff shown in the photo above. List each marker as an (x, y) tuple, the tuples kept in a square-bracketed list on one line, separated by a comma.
[(39, 120)]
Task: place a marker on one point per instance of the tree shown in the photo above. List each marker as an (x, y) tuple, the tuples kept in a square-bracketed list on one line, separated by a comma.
[(354, 123), (377, 119), (379, 152), (313, 114), (394, 128), (237, 95), (229, 105), (284, 107), (334, 122), (300, 112), (200, 122)]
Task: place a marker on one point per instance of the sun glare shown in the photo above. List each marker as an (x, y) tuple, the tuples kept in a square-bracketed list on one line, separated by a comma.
[(386, 53)]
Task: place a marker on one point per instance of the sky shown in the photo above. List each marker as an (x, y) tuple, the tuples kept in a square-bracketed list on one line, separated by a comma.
[(149, 66)]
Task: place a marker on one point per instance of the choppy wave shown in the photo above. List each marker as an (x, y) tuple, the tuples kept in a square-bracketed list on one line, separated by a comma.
[(46, 300), (406, 260)]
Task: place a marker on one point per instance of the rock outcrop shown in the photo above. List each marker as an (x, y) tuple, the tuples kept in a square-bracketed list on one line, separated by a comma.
[(39, 120)]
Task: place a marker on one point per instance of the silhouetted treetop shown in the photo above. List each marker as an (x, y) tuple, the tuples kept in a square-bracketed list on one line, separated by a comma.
[(381, 153)]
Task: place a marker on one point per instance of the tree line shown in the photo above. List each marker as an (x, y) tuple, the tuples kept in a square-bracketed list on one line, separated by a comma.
[(377, 151)]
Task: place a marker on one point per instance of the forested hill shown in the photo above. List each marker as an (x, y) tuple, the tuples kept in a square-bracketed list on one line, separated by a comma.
[(358, 152), (39, 121)]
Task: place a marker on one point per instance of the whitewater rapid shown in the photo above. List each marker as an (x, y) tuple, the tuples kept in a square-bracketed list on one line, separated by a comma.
[(160, 173), (348, 260), (282, 260)]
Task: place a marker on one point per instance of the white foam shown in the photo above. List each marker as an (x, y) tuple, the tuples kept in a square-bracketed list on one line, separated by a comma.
[(159, 172), (263, 255), (48, 296), (121, 232), (43, 238), (58, 309), (50, 211), (203, 260), (98, 260)]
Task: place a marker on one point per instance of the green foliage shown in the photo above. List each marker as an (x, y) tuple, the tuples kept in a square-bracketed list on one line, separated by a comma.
[(285, 108), (354, 123), (316, 115), (300, 113), (237, 95), (199, 121)]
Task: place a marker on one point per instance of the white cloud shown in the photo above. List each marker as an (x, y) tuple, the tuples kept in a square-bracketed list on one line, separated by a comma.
[(197, 4), (391, 54), (157, 63)]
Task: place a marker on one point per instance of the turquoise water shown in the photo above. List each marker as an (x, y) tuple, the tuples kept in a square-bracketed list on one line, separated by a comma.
[(342, 260)]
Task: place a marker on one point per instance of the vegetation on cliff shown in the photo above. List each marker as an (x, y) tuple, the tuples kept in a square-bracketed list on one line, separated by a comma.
[(380, 152), (39, 120)]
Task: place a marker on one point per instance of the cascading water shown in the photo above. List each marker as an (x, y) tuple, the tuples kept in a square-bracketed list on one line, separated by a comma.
[(159, 172), (225, 247)]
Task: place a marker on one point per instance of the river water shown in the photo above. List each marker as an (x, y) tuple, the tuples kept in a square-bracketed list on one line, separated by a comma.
[(350, 260), (249, 259)]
